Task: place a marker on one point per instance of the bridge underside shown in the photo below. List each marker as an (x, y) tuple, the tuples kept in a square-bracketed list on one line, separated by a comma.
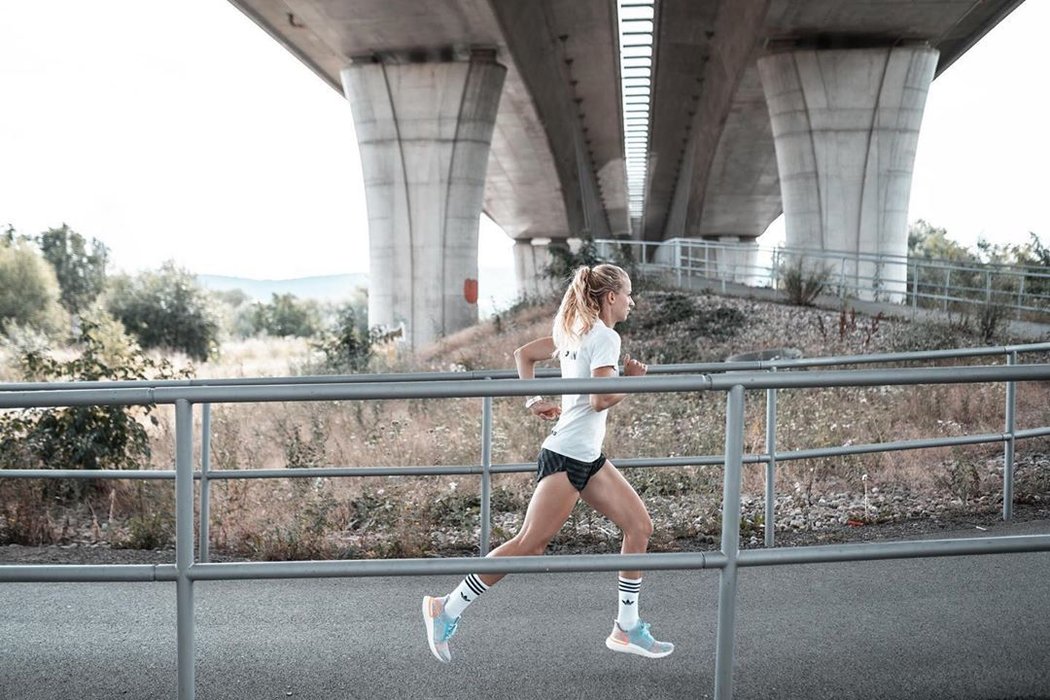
[(548, 163)]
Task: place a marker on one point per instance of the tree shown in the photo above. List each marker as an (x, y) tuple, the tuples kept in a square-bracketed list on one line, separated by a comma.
[(286, 315), (29, 291), (166, 309), (81, 273), (930, 243)]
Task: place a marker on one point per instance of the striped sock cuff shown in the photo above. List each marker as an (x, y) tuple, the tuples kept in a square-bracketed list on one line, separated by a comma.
[(477, 587), (629, 585)]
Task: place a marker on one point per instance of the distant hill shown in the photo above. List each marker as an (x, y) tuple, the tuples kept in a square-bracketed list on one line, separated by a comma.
[(325, 288), (497, 287)]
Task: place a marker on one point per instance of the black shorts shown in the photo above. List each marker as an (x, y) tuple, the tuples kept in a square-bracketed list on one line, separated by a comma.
[(579, 472)]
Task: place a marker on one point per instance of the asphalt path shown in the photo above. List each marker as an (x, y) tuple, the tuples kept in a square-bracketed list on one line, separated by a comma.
[(959, 627)]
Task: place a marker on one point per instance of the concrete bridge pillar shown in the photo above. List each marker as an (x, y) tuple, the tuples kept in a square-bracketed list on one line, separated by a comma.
[(424, 128), (845, 125), (531, 257), (737, 258)]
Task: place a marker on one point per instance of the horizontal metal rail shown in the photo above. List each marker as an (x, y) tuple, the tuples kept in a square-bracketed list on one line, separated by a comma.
[(543, 372), (546, 564), (524, 387), (907, 549), (519, 467), (86, 573)]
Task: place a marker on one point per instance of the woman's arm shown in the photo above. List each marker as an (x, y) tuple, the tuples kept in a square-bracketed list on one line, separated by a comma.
[(631, 368), (525, 358)]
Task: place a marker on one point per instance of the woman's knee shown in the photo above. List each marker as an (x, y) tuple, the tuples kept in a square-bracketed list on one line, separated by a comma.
[(527, 544), (640, 528)]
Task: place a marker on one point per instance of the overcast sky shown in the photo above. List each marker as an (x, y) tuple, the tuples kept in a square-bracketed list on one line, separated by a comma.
[(180, 130)]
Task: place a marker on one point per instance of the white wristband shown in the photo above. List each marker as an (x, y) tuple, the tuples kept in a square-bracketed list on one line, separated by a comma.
[(533, 401)]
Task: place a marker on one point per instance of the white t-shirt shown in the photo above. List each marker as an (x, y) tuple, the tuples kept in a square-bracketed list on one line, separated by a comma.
[(580, 430)]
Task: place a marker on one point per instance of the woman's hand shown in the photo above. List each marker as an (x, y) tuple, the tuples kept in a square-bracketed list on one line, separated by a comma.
[(633, 368), (547, 410)]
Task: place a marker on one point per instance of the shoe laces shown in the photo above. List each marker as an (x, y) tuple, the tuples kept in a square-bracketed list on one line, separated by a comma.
[(449, 627), (644, 634)]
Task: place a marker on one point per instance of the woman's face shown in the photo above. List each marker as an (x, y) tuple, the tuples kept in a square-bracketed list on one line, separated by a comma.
[(621, 303)]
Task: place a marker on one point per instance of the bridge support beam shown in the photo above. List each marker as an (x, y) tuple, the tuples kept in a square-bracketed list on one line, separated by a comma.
[(424, 129), (737, 258), (845, 125), (531, 257)]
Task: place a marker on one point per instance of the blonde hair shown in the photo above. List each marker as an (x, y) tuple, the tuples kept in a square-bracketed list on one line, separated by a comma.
[(581, 303)]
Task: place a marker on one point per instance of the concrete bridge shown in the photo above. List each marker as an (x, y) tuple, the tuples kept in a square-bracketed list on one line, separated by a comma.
[(721, 115)]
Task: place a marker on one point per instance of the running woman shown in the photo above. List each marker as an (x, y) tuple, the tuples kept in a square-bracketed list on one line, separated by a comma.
[(571, 464)]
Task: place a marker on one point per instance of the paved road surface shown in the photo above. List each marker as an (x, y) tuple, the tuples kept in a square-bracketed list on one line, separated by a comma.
[(959, 628)]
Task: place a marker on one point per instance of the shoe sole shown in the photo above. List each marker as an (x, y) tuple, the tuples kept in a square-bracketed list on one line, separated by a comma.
[(638, 651), (428, 627)]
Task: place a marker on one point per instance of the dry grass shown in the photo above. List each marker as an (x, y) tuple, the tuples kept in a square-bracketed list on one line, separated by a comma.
[(408, 516)]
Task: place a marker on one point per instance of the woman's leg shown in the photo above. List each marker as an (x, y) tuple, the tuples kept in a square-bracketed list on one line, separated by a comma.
[(610, 494), (551, 504), (549, 508)]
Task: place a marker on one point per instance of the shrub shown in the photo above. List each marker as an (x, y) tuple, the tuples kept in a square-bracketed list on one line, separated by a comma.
[(348, 347), (82, 437), (166, 309), (803, 285)]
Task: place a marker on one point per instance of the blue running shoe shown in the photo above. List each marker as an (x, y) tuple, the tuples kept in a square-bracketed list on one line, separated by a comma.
[(638, 641), (440, 627)]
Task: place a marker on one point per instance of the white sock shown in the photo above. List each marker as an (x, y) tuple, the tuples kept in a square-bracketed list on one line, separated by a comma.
[(464, 594), (628, 603)]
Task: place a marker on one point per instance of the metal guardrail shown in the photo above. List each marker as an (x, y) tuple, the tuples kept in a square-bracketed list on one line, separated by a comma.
[(916, 282), (770, 457), (185, 571)]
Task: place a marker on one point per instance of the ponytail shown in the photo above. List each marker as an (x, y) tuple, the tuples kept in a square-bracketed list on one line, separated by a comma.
[(581, 304)]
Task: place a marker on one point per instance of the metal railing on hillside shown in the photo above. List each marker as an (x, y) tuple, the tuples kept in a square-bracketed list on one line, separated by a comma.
[(733, 379), (916, 282)]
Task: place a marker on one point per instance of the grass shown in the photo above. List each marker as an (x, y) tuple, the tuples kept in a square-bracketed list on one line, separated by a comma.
[(423, 516)]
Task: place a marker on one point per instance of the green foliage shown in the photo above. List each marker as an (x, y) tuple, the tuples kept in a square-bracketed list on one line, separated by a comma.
[(287, 315), (976, 275), (29, 292), (562, 261), (166, 309), (804, 283), (348, 347), (928, 242), (1035, 256), (81, 274), (83, 437)]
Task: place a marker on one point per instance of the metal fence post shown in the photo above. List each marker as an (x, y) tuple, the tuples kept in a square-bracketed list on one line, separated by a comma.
[(184, 546), (771, 464), (678, 262), (947, 285), (205, 507), (1008, 450), (486, 474), (734, 456)]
